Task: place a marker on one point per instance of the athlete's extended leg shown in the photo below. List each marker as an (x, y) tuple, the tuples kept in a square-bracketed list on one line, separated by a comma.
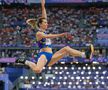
[(67, 50), (62, 52)]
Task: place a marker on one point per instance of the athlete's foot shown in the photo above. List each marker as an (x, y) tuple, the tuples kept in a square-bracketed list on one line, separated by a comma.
[(89, 52), (20, 60)]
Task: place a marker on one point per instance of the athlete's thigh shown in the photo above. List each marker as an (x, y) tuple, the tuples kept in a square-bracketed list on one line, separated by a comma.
[(57, 56), (41, 62)]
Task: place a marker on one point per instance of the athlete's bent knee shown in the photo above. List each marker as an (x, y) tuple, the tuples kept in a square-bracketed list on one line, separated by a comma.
[(37, 70), (66, 47)]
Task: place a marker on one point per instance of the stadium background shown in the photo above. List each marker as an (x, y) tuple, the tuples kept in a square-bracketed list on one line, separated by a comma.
[(86, 20)]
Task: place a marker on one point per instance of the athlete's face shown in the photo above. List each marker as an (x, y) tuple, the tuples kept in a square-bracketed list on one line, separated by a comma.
[(44, 24)]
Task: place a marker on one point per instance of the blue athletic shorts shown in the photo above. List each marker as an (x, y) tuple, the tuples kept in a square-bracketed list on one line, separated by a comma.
[(47, 54)]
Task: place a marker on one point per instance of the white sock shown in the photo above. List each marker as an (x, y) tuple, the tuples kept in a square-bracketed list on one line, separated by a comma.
[(27, 62), (83, 55)]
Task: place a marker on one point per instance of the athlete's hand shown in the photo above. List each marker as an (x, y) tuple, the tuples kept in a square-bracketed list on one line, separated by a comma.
[(69, 36), (64, 34), (43, 2)]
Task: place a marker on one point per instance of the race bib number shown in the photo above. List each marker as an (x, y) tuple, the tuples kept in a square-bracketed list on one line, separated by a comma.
[(48, 42)]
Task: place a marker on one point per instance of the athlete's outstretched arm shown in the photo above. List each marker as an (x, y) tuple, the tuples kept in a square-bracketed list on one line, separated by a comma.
[(32, 22), (44, 14), (42, 35)]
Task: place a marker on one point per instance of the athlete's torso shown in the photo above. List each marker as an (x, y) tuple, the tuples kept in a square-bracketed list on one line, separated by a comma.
[(44, 44)]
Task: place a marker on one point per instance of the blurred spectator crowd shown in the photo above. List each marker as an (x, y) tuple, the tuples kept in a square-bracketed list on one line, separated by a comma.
[(82, 25)]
